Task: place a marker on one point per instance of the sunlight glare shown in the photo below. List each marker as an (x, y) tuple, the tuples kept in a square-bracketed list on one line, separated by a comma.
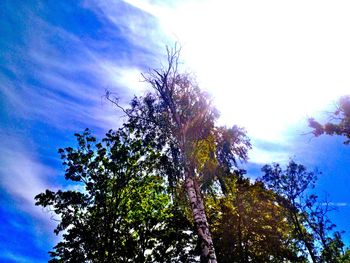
[(268, 64)]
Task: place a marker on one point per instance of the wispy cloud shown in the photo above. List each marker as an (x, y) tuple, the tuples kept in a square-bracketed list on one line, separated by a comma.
[(59, 78), (23, 176), (136, 23)]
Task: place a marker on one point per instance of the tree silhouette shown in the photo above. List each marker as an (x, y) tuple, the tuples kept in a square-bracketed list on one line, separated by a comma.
[(339, 123), (307, 216)]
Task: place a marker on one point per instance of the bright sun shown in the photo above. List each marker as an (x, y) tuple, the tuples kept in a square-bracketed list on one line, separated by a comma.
[(268, 64)]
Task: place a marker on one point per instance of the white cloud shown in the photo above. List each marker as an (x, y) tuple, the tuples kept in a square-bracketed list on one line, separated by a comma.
[(23, 176), (128, 78), (136, 23), (261, 156)]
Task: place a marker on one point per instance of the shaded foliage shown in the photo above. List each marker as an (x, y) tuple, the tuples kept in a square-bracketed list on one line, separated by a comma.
[(339, 123), (308, 218), (249, 225)]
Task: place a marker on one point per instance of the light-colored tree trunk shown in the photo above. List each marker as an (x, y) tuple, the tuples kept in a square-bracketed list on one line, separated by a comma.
[(195, 197), (201, 222)]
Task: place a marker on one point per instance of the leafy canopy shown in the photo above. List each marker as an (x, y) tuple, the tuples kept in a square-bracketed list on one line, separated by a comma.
[(122, 212)]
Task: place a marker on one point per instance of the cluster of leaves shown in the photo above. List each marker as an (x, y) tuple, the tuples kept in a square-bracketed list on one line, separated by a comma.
[(123, 212)]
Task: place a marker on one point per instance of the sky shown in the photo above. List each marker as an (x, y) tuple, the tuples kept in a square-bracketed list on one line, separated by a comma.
[(269, 65)]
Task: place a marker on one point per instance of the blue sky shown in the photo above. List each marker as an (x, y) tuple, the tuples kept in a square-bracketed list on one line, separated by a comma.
[(268, 67)]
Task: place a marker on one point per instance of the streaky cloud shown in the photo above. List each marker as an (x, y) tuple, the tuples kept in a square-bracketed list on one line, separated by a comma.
[(23, 176), (64, 77)]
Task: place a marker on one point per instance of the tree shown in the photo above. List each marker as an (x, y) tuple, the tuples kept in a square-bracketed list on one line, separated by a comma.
[(122, 212), (182, 119), (339, 123), (307, 217), (249, 225)]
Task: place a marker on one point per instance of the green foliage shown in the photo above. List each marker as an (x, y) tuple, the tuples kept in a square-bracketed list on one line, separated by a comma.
[(307, 217), (203, 154), (249, 226), (123, 212)]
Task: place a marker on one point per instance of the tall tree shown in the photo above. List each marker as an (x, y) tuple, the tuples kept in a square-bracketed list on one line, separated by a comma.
[(180, 115)]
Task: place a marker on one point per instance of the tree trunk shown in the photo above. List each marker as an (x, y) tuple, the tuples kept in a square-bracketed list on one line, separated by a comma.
[(302, 237), (164, 83), (198, 211)]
